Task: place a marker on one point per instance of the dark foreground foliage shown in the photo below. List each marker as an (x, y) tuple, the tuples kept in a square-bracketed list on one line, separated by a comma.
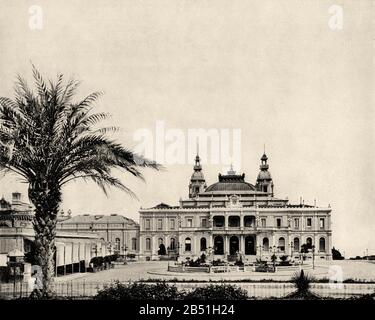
[(217, 292), (164, 291), (138, 291), (302, 282)]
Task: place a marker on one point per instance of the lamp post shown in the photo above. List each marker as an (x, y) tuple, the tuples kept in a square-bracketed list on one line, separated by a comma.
[(274, 257), (109, 247), (313, 254), (95, 249), (291, 249), (260, 251), (125, 248), (178, 250), (209, 251)]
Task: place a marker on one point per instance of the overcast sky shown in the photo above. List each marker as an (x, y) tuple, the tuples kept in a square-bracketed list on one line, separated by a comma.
[(275, 70)]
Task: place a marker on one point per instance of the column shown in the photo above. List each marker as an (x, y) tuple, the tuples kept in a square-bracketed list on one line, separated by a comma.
[(226, 247), (242, 244), (154, 246), (140, 245), (211, 241), (329, 245), (196, 243)]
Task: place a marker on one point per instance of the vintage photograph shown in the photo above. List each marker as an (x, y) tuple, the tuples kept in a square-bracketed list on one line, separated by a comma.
[(187, 151)]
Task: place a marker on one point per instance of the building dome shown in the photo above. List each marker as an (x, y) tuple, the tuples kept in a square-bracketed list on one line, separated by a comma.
[(264, 175), (231, 183), (233, 186), (197, 175)]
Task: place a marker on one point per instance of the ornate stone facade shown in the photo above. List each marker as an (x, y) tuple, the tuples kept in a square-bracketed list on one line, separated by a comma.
[(233, 217)]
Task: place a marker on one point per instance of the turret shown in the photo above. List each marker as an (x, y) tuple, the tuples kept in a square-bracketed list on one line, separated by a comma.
[(197, 181), (264, 181)]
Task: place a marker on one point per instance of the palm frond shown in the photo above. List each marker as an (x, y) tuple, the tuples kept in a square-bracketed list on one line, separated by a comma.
[(44, 135)]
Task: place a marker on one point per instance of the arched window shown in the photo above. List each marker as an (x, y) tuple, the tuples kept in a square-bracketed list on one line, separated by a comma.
[(322, 244), (117, 244), (203, 244), (188, 244), (134, 244), (148, 244), (296, 244), (250, 247), (162, 251), (266, 244), (218, 245), (282, 244), (172, 245), (309, 243)]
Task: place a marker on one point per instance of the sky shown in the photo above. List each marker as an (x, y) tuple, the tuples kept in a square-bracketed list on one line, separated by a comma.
[(293, 75)]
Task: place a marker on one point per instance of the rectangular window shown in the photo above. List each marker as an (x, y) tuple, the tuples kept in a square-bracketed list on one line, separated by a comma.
[(160, 224), (264, 223), (321, 223), (172, 224), (278, 222), (204, 223), (189, 223), (296, 223), (147, 224), (308, 222)]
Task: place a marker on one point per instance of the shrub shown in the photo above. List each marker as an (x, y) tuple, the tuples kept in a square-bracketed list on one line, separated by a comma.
[(284, 258), (218, 263), (203, 258), (239, 263), (302, 283), (138, 291), (336, 254), (162, 251), (217, 292)]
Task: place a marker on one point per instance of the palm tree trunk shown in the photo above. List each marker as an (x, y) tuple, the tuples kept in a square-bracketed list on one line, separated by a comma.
[(46, 201)]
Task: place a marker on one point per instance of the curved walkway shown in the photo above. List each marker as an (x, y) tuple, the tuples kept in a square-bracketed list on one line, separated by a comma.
[(319, 272), (361, 270)]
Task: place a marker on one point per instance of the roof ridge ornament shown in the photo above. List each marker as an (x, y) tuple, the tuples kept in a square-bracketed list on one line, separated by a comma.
[(231, 171)]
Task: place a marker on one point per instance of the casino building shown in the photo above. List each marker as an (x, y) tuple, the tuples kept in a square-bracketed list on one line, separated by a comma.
[(232, 217)]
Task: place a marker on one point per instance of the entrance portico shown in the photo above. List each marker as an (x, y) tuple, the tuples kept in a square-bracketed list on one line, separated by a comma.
[(231, 244)]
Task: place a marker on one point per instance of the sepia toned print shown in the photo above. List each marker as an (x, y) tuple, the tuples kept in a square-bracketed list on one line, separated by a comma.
[(187, 150)]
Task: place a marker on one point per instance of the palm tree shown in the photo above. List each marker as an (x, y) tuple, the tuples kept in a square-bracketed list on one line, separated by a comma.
[(50, 140)]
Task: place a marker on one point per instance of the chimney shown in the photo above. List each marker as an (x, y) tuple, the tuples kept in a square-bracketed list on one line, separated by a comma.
[(16, 198)]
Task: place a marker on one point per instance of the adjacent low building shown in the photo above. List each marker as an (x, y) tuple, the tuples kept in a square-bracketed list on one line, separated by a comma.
[(78, 238), (74, 250), (233, 217), (119, 232)]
